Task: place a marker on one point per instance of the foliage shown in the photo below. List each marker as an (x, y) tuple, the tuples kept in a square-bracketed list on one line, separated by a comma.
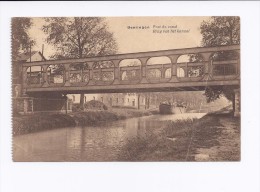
[(165, 143), (39, 122), (21, 40), (79, 37), (96, 105), (182, 140), (23, 124), (212, 93), (220, 31), (105, 76), (195, 58)]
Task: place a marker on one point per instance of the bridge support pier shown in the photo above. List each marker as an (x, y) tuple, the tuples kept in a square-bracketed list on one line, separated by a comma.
[(23, 105), (237, 103), (27, 104)]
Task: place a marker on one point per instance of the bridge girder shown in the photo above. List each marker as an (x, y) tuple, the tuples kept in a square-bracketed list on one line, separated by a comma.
[(183, 76)]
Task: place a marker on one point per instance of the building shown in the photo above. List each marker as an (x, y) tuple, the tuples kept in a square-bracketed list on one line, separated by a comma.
[(16, 68), (30, 57), (22, 103), (133, 100)]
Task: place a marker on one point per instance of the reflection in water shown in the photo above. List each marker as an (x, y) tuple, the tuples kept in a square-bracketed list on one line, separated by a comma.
[(98, 143)]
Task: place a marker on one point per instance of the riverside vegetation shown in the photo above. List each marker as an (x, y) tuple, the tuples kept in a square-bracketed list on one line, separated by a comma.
[(216, 136), (43, 121)]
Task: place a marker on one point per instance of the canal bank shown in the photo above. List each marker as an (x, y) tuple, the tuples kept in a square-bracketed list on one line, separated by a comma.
[(23, 124), (214, 137), (102, 142), (179, 137)]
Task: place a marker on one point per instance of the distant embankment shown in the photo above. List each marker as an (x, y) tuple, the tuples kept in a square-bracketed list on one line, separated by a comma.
[(38, 122), (42, 121)]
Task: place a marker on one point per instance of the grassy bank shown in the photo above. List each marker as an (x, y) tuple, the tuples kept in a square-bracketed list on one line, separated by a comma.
[(39, 122), (205, 139), (93, 117)]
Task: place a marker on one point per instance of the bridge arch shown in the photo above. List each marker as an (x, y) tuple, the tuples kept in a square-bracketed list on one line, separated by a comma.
[(180, 72), (56, 74), (103, 71), (190, 67), (157, 68), (130, 70), (34, 75), (79, 72)]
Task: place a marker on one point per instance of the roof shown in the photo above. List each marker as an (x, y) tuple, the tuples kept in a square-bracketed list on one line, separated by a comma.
[(26, 56)]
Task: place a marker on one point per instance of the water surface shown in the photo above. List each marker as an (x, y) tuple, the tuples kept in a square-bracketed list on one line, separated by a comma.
[(91, 143)]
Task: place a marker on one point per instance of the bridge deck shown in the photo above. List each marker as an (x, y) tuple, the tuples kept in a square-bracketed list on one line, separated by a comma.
[(159, 87), (106, 74)]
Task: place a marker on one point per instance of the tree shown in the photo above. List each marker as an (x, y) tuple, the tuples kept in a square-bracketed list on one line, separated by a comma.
[(220, 31), (79, 37), (21, 40)]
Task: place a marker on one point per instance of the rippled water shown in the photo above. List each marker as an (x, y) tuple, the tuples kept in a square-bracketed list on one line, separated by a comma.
[(92, 143)]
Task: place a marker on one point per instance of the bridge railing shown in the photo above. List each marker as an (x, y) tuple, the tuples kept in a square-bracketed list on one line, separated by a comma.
[(191, 71), (130, 74), (225, 69), (79, 76), (59, 73)]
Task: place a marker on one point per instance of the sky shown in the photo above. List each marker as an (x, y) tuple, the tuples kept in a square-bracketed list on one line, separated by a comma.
[(158, 33)]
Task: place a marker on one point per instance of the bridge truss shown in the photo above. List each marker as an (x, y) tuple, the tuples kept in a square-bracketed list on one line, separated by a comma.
[(107, 74)]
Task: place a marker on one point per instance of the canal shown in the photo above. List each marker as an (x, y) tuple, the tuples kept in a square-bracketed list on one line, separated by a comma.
[(92, 143)]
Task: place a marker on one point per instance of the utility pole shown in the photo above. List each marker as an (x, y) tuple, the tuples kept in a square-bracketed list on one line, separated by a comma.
[(30, 52), (42, 49)]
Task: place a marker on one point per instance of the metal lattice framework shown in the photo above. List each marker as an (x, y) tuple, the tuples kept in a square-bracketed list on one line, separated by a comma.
[(106, 74)]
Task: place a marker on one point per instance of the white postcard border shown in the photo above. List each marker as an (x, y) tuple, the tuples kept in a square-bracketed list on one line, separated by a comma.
[(165, 177)]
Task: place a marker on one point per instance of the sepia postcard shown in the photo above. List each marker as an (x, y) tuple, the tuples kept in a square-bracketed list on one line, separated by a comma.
[(129, 96), (131, 89)]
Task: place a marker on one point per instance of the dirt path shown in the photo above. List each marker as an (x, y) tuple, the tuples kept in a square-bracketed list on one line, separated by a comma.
[(226, 143)]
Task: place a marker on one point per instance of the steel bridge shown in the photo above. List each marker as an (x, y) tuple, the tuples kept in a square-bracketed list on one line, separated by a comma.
[(107, 74)]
